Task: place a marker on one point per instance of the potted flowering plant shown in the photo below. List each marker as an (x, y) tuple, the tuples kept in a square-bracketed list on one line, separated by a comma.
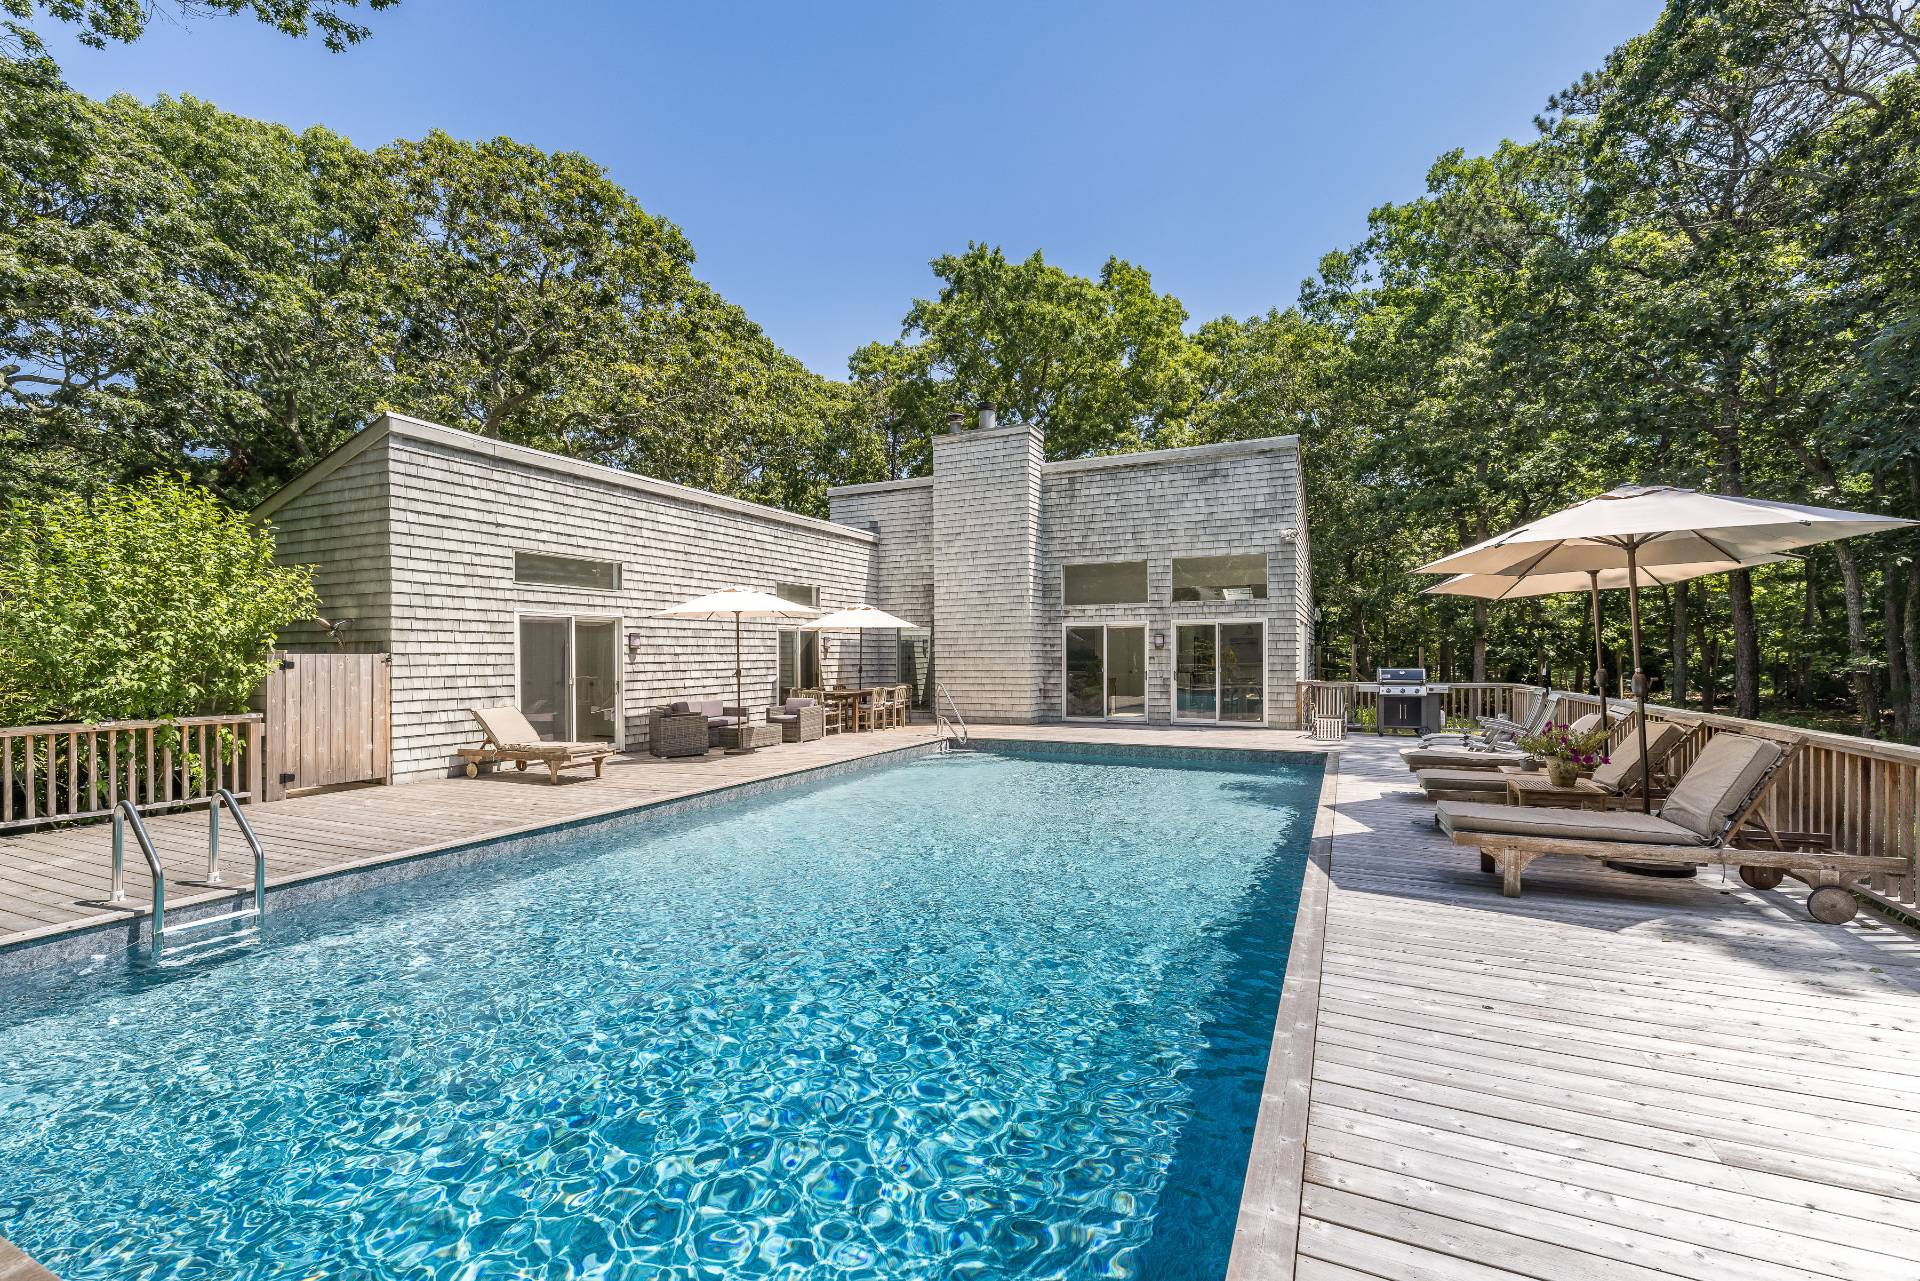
[(1566, 753)]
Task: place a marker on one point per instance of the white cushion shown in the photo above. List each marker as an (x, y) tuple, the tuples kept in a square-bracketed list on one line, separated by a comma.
[(1627, 826)]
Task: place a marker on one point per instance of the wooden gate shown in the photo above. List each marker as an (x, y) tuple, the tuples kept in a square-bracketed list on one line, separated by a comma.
[(328, 722)]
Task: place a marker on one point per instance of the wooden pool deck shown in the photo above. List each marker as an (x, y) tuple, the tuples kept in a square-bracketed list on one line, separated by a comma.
[(1610, 1077)]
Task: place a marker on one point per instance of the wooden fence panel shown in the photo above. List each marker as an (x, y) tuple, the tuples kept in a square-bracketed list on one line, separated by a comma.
[(328, 721)]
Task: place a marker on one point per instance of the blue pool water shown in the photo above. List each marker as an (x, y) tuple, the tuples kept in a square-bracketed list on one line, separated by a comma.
[(987, 1015)]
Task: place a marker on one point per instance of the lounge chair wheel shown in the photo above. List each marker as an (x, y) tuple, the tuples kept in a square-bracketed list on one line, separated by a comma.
[(520, 765), (1763, 878), (1486, 864), (473, 770), (1831, 905)]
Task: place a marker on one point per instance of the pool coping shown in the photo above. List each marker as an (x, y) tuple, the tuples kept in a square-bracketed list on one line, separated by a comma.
[(1266, 1234)]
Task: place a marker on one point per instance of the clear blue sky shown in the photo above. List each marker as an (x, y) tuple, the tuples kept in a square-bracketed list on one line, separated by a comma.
[(818, 155)]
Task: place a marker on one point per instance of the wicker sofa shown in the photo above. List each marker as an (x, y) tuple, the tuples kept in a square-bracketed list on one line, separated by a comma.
[(801, 720)]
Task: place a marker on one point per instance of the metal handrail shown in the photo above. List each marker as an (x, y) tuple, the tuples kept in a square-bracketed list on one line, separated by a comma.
[(226, 797), (940, 692), (125, 813)]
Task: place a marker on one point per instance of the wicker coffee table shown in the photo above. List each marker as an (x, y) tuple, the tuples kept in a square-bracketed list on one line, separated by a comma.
[(735, 737), (1538, 789)]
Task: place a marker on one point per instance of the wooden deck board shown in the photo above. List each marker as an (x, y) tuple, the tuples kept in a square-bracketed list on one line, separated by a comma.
[(1686, 1077)]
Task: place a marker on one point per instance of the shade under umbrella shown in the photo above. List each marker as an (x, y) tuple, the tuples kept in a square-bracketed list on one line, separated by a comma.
[(738, 603), (1636, 528), (1593, 582), (858, 618)]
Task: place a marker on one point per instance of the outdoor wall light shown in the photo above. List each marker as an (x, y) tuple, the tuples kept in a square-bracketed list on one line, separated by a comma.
[(633, 644), (1159, 639)]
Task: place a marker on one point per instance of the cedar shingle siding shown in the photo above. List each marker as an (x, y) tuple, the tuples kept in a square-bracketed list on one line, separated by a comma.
[(411, 528)]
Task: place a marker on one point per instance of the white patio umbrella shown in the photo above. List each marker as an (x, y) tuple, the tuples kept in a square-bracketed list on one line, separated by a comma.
[(859, 618), (1638, 528), (1593, 582), (738, 603)]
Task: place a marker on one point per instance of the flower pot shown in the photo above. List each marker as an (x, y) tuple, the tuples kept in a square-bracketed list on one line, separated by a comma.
[(1562, 773)]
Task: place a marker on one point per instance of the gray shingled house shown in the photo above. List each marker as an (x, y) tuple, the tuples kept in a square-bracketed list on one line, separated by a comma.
[(1170, 586)]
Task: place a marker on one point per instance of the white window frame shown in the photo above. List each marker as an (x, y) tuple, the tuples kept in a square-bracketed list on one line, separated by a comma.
[(573, 658), (1266, 670), (1104, 624)]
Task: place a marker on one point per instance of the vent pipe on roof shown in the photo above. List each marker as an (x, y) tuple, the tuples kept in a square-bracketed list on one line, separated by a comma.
[(987, 417)]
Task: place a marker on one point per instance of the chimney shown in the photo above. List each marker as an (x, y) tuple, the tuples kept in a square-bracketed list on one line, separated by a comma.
[(956, 423), (987, 418)]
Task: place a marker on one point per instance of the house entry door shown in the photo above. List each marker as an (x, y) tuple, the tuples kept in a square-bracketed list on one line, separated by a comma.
[(570, 678), (1105, 676)]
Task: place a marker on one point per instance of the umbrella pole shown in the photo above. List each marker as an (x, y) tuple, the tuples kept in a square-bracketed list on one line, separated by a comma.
[(1599, 656), (1639, 676), (741, 743)]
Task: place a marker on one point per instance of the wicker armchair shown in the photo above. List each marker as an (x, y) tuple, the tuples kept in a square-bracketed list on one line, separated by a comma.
[(671, 733), (801, 720)]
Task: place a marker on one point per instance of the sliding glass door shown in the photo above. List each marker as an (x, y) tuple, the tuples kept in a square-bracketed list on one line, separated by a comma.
[(569, 677), (1220, 672), (1105, 670)]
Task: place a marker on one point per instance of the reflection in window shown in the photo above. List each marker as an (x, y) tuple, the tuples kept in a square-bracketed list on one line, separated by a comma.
[(1122, 582), (1241, 577), (566, 571)]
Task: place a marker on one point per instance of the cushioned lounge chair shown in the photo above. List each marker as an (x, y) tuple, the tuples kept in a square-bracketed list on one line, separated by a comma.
[(509, 737), (1480, 758), (1621, 775), (1707, 812), (719, 716), (1495, 730)]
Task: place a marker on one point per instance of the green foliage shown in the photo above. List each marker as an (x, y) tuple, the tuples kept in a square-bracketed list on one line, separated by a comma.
[(147, 601), (102, 22)]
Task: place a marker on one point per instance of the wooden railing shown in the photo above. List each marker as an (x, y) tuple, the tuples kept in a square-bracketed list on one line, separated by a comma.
[(1360, 700), (56, 773), (1863, 793)]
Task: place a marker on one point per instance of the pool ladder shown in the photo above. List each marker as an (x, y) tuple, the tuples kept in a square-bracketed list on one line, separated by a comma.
[(126, 815), (953, 729)]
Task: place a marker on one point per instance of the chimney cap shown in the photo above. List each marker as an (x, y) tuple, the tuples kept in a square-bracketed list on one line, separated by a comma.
[(989, 417)]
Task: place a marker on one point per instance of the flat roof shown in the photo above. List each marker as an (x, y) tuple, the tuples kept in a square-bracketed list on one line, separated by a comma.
[(409, 428), (1145, 458)]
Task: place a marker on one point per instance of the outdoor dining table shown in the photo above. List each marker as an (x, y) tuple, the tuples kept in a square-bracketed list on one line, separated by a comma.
[(857, 703)]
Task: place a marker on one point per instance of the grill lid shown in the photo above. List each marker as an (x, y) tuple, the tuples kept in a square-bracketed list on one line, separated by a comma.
[(1402, 676)]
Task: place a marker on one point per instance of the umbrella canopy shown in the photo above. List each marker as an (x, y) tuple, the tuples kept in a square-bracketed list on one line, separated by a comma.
[(858, 618), (738, 603), (1593, 581), (1637, 528), (1664, 526), (1517, 587)]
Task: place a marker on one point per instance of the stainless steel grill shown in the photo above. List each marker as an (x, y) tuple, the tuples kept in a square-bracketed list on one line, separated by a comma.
[(1407, 702)]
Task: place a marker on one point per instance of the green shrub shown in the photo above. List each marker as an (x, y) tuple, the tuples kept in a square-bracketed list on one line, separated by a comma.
[(141, 602)]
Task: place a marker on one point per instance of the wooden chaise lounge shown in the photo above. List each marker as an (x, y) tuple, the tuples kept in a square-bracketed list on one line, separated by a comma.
[(1621, 775), (508, 737), (1490, 749), (1708, 818)]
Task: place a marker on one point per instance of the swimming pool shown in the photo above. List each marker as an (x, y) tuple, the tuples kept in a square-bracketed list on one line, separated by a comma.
[(997, 1014)]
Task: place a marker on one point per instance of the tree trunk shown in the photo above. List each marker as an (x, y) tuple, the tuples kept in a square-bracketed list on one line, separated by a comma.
[(1860, 663), (1479, 640), (1709, 655), (1912, 632), (1678, 691), (1898, 677), (1809, 627), (1746, 632)]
